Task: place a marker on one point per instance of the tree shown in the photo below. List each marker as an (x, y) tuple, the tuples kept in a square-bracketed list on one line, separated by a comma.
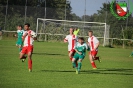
[(35, 9)]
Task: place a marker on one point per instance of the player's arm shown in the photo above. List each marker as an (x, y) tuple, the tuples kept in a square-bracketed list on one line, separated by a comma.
[(78, 51), (15, 35), (97, 43), (87, 47), (66, 39)]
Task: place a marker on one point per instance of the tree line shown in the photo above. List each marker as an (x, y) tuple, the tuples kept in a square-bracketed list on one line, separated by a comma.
[(56, 10)]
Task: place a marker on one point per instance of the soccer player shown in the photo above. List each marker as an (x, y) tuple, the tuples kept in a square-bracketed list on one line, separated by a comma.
[(19, 37), (76, 31), (80, 49), (93, 44), (28, 45), (1, 33), (71, 39), (131, 55)]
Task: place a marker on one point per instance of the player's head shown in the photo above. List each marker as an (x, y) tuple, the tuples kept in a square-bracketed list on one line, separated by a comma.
[(71, 30), (81, 40), (90, 33), (19, 27), (27, 26)]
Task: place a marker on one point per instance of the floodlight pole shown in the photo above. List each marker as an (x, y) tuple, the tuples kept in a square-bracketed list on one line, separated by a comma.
[(106, 12), (25, 11), (65, 15), (6, 15), (84, 16), (45, 9), (65, 9)]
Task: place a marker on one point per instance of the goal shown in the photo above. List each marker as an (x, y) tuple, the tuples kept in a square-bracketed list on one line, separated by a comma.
[(56, 30)]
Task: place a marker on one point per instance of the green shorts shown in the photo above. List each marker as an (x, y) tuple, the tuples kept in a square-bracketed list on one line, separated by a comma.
[(78, 56), (19, 43)]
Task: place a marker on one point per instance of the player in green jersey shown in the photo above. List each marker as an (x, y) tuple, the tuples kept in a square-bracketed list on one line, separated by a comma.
[(131, 55), (19, 37), (80, 49)]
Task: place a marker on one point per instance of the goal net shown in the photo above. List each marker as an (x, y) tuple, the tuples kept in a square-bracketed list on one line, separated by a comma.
[(56, 30)]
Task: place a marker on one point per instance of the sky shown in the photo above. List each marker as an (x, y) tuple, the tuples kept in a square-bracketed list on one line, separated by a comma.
[(78, 6)]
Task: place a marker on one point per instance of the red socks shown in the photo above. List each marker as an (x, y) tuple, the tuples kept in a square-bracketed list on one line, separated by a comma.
[(30, 64), (93, 65)]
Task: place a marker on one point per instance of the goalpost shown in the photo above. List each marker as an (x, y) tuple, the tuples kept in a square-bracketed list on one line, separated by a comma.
[(55, 30)]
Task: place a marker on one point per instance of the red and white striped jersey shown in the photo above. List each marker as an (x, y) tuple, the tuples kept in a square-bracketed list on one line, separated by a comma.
[(28, 41), (93, 42), (72, 39)]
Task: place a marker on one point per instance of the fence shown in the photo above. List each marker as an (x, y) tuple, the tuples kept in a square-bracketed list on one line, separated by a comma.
[(15, 15)]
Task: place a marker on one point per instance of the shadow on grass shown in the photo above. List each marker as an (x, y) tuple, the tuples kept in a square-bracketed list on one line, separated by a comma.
[(115, 71), (54, 54), (120, 71), (56, 71)]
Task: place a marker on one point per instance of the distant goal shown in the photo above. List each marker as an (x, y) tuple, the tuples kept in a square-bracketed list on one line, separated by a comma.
[(56, 30)]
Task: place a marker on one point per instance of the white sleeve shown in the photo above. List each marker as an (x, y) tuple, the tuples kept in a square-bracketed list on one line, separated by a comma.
[(96, 40)]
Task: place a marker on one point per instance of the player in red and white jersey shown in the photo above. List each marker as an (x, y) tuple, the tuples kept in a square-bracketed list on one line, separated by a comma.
[(71, 39), (93, 44), (28, 45)]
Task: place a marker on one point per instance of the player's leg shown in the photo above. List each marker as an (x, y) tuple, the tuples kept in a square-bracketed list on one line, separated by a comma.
[(29, 61), (73, 63), (20, 48), (94, 53), (20, 45), (79, 65), (71, 54), (92, 61), (30, 50), (22, 54), (22, 57)]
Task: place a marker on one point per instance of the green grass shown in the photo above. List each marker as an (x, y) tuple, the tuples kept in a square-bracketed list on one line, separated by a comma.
[(53, 69)]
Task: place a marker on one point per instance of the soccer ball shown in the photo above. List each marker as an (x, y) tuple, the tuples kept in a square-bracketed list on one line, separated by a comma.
[(33, 34)]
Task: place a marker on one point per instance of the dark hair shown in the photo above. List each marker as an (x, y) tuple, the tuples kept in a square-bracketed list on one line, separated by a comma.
[(20, 26), (81, 38), (27, 24), (90, 31), (72, 29)]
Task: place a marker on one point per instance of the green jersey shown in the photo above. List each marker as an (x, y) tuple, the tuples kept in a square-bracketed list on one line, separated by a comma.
[(81, 48), (20, 34)]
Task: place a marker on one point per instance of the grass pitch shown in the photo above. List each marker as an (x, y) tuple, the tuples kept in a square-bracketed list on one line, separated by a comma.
[(53, 69)]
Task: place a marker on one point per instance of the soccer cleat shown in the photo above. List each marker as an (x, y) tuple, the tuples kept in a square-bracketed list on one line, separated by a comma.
[(77, 72), (94, 68), (30, 70), (23, 60), (130, 56)]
